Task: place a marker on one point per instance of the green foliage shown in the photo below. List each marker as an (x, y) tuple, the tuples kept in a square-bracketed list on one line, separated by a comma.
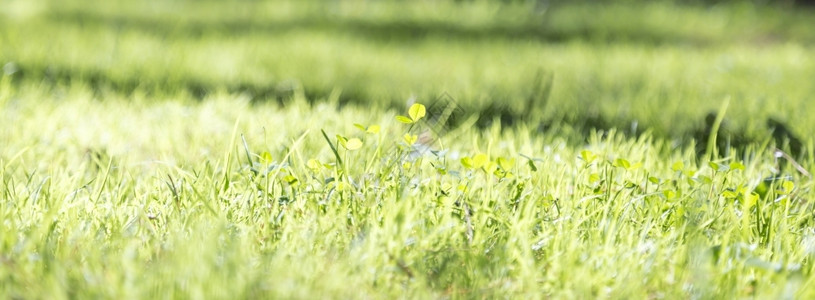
[(415, 113), (138, 158), (663, 65), (100, 218)]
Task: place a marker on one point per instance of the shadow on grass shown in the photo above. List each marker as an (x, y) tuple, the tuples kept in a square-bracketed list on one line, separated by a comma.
[(530, 111), (381, 30)]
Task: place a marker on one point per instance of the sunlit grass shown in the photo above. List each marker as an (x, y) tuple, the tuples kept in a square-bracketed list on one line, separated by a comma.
[(127, 198), (281, 149)]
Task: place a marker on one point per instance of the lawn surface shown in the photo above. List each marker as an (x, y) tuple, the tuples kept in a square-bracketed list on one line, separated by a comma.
[(422, 149)]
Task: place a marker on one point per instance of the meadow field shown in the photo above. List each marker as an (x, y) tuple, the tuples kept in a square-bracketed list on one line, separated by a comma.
[(406, 149)]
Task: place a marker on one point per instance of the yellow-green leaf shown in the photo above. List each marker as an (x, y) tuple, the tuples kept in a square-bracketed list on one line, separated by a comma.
[(373, 129), (479, 160), (467, 162), (750, 200), (730, 194), (588, 156), (314, 164), (490, 167), (441, 170), (342, 140), (266, 157), (594, 177), (404, 119), (291, 180), (736, 166), (410, 139), (786, 187), (416, 112), (342, 186), (622, 163), (505, 164), (353, 144)]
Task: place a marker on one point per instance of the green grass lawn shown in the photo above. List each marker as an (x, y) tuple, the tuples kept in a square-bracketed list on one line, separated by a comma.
[(268, 149)]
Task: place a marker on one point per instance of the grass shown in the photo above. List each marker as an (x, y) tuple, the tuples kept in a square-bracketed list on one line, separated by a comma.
[(176, 208), (484, 54), (222, 155)]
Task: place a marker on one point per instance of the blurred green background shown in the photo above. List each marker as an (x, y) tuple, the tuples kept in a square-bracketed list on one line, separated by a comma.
[(656, 66)]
